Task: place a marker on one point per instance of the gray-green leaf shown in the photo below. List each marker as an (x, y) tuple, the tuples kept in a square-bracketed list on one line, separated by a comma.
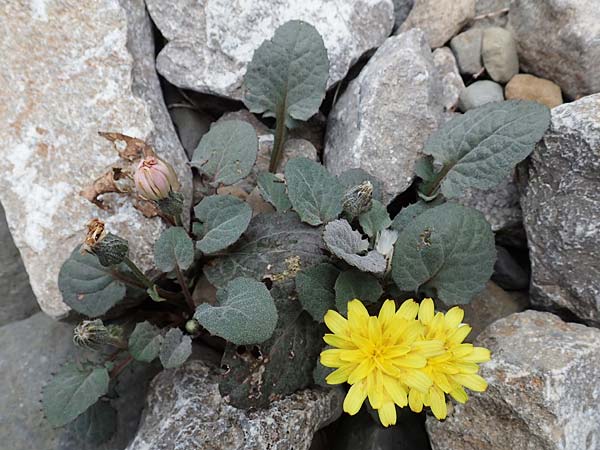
[(353, 284), (287, 76), (174, 247), (480, 148), (97, 424), (273, 190), (72, 391), (316, 195), (176, 349), (88, 287), (348, 244), (410, 213), (447, 251), (225, 218), (375, 219), (145, 342), (315, 287), (227, 152), (246, 313)]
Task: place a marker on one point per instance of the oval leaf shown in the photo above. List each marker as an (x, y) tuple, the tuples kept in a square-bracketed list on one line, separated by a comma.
[(246, 313), (447, 251), (145, 342), (227, 152), (273, 189), (97, 424), (176, 349), (353, 284), (316, 195), (375, 219), (225, 218), (315, 288), (174, 247)]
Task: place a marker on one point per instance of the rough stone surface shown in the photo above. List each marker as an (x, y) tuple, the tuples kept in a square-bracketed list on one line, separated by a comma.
[(439, 19), (402, 9), (509, 273), (185, 411), (480, 93), (561, 207), (499, 54), (452, 82), (467, 49), (399, 85), (17, 301), (211, 42), (559, 40), (544, 390), (84, 79), (528, 87)]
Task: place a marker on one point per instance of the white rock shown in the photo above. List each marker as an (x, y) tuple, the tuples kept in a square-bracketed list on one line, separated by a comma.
[(67, 74), (211, 42), (452, 82)]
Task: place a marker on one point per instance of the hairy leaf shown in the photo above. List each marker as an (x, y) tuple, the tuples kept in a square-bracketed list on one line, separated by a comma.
[(227, 152), (145, 342), (287, 76), (176, 349), (225, 218), (348, 244), (316, 195), (354, 177), (87, 286), (246, 313), (353, 284), (315, 287), (273, 190), (375, 219), (447, 251), (410, 213), (72, 391), (174, 247), (97, 424)]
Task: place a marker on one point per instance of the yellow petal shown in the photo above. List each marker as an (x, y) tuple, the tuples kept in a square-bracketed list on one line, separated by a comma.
[(416, 379), (471, 381), (412, 361), (331, 358), (459, 335), (454, 317), (387, 414), (336, 323), (459, 395), (462, 350), (396, 351), (466, 367), (437, 402), (426, 311), (353, 356), (375, 331), (386, 313), (408, 310), (340, 375), (361, 371), (478, 355), (441, 381), (396, 391), (355, 397), (428, 348), (358, 316), (415, 400), (338, 341), (375, 389)]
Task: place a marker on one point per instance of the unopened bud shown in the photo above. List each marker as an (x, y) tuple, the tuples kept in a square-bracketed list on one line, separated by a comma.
[(358, 199), (109, 248), (155, 179), (192, 326), (92, 335)]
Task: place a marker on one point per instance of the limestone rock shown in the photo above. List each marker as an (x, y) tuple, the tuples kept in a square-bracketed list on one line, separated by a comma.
[(528, 87), (212, 42), (89, 76), (561, 206), (480, 93), (402, 9), (558, 40), (185, 411), (499, 54), (383, 119), (543, 394), (439, 19), (452, 82), (467, 49)]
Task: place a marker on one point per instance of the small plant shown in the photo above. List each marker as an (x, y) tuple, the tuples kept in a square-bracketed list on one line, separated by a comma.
[(279, 275)]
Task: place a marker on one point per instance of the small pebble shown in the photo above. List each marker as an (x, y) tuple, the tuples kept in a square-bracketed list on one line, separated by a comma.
[(480, 93), (528, 87), (467, 49), (499, 54)]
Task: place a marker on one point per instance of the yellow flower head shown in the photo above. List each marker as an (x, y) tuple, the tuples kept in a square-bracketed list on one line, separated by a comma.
[(396, 358)]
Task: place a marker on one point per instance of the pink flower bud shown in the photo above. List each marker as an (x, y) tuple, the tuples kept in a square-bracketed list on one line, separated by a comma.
[(155, 178)]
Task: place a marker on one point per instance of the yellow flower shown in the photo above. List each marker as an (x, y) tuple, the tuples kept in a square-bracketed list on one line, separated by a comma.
[(382, 357), (455, 368)]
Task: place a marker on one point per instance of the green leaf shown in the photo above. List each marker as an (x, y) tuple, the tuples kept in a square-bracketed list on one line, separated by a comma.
[(348, 244), (315, 287), (447, 252), (88, 287), (353, 284), (225, 218), (97, 424), (287, 76), (72, 391), (227, 152), (321, 372), (246, 313), (315, 194), (273, 190), (375, 219), (145, 342), (154, 295), (174, 247), (176, 349), (410, 213), (268, 247), (479, 149), (354, 177)]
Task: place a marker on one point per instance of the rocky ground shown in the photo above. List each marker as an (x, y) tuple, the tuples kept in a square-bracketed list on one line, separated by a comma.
[(165, 71)]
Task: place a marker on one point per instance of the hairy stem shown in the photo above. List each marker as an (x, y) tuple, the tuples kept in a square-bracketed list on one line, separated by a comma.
[(138, 273), (280, 134), (184, 288), (120, 367)]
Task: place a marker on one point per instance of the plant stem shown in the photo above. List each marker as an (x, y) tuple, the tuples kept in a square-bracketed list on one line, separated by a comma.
[(138, 273), (184, 288), (119, 367), (280, 133)]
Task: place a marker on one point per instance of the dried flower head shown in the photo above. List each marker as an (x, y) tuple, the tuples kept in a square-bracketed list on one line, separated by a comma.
[(93, 334), (109, 248), (358, 199), (155, 179)]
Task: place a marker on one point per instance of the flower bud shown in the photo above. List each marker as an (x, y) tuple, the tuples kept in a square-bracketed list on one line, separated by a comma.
[(192, 326), (109, 248), (358, 199), (92, 335), (155, 179)]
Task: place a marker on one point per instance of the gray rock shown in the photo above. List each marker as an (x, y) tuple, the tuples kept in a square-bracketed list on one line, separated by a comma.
[(508, 273), (399, 85), (439, 19), (185, 411), (467, 49), (210, 43), (559, 40), (561, 206), (84, 79), (402, 9), (17, 301), (543, 394), (480, 93), (499, 54), (452, 82)]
